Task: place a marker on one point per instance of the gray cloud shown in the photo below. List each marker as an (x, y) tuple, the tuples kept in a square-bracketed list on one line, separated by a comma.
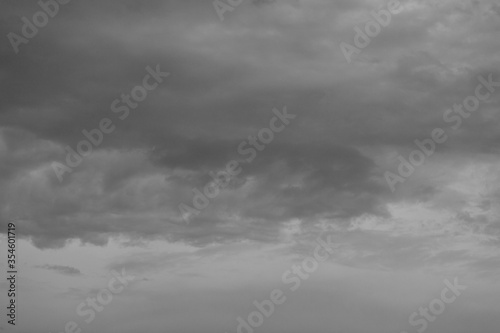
[(324, 174), (61, 269), (226, 78)]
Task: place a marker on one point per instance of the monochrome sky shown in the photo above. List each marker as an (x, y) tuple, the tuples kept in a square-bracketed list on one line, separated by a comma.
[(323, 174)]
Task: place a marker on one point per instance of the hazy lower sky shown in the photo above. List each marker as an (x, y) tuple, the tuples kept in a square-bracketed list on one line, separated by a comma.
[(324, 174)]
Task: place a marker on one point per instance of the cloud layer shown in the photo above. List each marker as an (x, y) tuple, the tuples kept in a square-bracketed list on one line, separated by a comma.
[(326, 170)]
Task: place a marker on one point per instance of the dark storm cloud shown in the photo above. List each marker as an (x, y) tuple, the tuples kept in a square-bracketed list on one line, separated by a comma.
[(225, 80)]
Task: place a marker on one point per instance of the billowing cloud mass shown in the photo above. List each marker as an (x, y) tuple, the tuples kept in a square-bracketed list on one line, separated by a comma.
[(325, 171)]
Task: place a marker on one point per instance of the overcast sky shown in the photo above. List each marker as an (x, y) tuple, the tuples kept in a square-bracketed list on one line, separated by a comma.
[(325, 173)]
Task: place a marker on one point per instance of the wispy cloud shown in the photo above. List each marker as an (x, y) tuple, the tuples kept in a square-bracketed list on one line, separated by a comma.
[(65, 270)]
